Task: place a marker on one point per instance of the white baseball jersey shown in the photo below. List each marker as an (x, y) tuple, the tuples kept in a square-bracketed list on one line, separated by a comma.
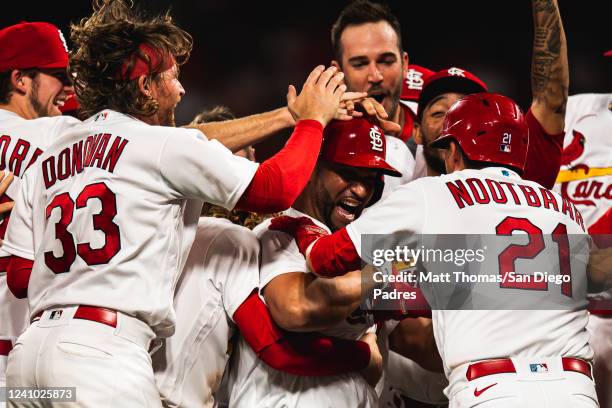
[(254, 384), (586, 172), (111, 211), (463, 203), (21, 143), (221, 271), (399, 157)]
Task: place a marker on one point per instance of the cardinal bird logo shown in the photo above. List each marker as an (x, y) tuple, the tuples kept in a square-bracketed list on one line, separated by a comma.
[(574, 150)]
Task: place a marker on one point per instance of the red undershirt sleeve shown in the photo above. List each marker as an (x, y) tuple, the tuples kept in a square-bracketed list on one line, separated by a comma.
[(279, 180), (307, 354), (543, 155), (18, 275), (334, 255)]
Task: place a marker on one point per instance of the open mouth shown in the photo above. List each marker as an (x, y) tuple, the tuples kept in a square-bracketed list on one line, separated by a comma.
[(59, 102), (348, 209), (379, 97)]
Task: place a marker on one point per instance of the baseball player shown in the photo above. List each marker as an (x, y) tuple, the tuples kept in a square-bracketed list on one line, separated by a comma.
[(216, 295), (501, 358), (109, 212), (585, 179), (366, 39), (345, 181), (545, 120), (34, 85)]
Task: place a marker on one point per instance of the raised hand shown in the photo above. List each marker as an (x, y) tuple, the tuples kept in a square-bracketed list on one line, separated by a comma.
[(320, 96)]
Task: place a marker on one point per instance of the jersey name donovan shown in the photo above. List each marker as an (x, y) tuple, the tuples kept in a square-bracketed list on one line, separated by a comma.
[(92, 152)]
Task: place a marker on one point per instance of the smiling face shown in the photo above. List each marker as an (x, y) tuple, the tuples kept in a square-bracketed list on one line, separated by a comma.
[(430, 128), (372, 62), (47, 91), (337, 194)]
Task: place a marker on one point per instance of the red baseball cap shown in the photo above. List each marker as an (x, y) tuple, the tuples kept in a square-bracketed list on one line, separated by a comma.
[(451, 79), (32, 45), (416, 76), (357, 143)]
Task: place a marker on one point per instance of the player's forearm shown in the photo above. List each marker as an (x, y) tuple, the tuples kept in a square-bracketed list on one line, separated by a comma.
[(301, 302), (549, 67), (239, 133), (413, 338)]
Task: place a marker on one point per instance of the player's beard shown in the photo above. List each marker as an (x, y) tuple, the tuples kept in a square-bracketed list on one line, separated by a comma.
[(434, 159), (35, 103), (394, 99), (166, 117)]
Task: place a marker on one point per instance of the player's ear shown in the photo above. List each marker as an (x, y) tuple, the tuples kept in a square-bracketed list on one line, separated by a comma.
[(19, 81), (336, 64), (405, 61), (416, 133), (144, 84)]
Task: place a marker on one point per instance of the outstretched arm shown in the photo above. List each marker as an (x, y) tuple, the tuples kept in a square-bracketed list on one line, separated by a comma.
[(549, 68)]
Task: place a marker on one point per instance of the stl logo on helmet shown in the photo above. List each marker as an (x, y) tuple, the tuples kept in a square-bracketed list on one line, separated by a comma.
[(456, 72), (376, 139), (414, 79)]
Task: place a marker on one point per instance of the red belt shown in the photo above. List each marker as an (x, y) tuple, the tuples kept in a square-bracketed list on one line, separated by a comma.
[(93, 313), (5, 347), (505, 365)]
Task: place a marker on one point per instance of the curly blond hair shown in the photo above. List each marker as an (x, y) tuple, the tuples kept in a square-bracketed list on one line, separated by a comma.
[(105, 44)]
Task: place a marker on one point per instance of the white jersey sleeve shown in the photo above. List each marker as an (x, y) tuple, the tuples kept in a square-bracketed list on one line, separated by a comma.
[(398, 155), (188, 158), (407, 207), (19, 239)]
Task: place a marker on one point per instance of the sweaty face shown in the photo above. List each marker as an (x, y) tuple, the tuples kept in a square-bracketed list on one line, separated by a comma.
[(48, 92), (167, 91), (372, 62), (342, 192), (431, 128)]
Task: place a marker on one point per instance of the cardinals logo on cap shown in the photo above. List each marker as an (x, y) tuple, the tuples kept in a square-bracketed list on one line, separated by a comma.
[(414, 79), (456, 72), (376, 139)]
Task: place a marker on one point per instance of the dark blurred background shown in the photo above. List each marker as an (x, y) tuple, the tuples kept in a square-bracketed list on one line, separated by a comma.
[(246, 53)]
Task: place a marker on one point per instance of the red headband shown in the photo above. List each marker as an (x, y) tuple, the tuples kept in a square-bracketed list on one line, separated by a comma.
[(160, 62)]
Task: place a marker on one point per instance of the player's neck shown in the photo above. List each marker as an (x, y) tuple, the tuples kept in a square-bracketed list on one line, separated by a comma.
[(305, 204), (20, 107)]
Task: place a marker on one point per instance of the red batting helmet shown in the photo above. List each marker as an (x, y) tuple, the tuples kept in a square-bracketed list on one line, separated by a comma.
[(357, 143), (451, 79), (489, 128)]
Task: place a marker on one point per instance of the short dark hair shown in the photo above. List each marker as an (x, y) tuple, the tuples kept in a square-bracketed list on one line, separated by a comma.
[(104, 42), (6, 87), (216, 114), (362, 12)]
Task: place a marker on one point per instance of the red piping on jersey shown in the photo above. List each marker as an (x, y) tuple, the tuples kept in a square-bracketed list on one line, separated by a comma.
[(18, 275), (278, 181), (306, 354)]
